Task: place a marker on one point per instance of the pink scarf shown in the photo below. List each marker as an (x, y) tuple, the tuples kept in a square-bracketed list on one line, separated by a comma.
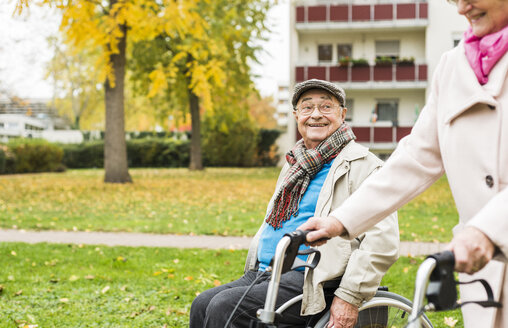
[(483, 53)]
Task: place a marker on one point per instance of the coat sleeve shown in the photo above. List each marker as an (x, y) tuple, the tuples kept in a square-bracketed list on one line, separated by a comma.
[(492, 220), (412, 168), (378, 249)]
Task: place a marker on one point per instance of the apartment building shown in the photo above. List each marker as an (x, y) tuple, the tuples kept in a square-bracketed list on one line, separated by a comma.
[(383, 53)]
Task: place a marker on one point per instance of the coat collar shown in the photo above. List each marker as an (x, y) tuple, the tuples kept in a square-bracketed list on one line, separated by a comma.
[(460, 89)]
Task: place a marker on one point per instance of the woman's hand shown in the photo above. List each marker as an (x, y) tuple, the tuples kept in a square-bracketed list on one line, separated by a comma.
[(322, 228), (342, 314), (472, 250)]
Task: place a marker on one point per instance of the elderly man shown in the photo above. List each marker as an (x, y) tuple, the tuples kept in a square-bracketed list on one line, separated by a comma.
[(322, 170)]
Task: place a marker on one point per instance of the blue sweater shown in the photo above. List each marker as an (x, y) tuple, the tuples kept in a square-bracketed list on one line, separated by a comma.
[(271, 236)]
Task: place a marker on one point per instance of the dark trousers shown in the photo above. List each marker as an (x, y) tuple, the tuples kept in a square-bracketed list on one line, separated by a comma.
[(212, 308)]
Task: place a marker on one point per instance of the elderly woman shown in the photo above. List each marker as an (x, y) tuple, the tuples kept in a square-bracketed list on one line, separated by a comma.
[(463, 132), (322, 170)]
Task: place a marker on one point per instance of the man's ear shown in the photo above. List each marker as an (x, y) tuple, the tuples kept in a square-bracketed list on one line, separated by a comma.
[(343, 114), (295, 114)]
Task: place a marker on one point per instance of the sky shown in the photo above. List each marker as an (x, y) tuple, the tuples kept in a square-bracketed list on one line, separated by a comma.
[(24, 51)]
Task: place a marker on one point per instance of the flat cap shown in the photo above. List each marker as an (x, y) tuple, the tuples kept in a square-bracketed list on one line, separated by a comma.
[(335, 90)]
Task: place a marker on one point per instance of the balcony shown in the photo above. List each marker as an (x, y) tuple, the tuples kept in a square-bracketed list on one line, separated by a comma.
[(411, 15), (380, 135), (394, 76)]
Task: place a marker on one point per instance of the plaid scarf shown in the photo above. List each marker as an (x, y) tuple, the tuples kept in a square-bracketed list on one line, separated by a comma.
[(305, 164)]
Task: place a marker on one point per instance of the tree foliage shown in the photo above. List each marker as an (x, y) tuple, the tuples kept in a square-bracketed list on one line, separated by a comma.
[(104, 25), (195, 72)]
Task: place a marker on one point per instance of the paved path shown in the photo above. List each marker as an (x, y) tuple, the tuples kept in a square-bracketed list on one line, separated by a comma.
[(157, 240)]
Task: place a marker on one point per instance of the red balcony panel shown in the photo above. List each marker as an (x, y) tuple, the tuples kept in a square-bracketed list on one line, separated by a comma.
[(422, 72), (361, 12), (300, 74), (316, 13), (405, 73), (423, 10), (383, 73), (383, 134), (383, 12), (360, 74), (406, 10), (402, 132), (316, 72), (339, 13), (339, 74), (300, 14), (362, 133)]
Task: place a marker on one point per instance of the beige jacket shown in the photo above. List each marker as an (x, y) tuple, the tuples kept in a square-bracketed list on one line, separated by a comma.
[(463, 132), (361, 262)]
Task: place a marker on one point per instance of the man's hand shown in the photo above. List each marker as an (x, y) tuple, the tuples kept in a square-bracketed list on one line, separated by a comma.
[(322, 228), (472, 250), (342, 314)]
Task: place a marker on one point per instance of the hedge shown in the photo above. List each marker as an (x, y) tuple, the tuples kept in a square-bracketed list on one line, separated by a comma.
[(240, 145), (26, 156), (140, 153)]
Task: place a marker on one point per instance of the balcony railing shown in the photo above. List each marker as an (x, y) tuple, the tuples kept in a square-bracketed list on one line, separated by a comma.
[(372, 73), (357, 13), (379, 133), (378, 136)]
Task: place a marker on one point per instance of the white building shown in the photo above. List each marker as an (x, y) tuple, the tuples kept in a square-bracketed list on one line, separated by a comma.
[(34, 119), (282, 105), (400, 42), (15, 126)]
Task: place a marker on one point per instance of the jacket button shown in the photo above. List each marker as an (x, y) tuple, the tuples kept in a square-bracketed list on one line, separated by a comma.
[(489, 181), (492, 107)]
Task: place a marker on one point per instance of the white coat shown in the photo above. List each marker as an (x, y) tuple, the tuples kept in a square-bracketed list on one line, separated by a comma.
[(463, 132)]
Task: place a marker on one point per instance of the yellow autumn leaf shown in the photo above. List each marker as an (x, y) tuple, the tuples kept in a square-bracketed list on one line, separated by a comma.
[(450, 321)]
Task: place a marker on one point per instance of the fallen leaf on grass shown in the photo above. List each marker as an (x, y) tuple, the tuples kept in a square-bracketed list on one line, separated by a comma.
[(188, 278), (105, 289), (13, 253), (450, 321), (64, 300), (216, 283), (89, 277), (18, 293), (73, 278)]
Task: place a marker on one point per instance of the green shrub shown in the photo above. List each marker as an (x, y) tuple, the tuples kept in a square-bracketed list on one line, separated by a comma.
[(85, 155), (267, 154), (3, 159), (140, 153), (158, 153), (229, 141), (34, 156)]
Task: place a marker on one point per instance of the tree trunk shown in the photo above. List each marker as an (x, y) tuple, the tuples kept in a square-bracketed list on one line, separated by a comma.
[(115, 148), (196, 161)]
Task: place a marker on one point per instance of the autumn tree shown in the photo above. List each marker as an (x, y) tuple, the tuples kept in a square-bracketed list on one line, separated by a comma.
[(106, 25), (210, 70), (77, 91)]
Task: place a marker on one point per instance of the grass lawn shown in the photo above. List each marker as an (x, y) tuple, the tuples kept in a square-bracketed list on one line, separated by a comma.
[(217, 201), (96, 286)]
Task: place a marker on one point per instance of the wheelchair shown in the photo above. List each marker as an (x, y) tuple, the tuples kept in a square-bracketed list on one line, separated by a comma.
[(385, 309)]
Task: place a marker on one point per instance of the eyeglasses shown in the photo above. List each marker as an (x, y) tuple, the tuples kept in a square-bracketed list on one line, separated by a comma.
[(326, 107)]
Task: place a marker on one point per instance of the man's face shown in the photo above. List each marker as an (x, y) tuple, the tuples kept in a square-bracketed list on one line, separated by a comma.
[(315, 126)]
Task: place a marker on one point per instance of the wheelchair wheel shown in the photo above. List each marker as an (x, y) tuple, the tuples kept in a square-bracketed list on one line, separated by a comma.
[(384, 310)]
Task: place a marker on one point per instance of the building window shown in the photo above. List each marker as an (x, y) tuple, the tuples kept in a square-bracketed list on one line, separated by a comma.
[(1, 125), (325, 52), (344, 50), (388, 49), (349, 105), (387, 110)]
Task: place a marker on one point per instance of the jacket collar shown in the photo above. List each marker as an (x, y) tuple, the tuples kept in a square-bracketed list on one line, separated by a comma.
[(460, 88), (352, 151)]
